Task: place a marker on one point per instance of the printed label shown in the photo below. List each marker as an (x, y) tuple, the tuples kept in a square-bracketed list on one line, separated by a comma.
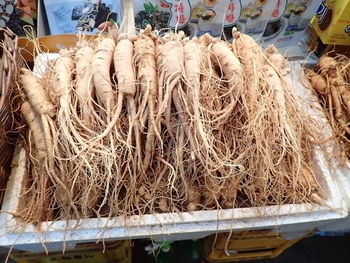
[(347, 29), (180, 13), (196, 17), (321, 11), (279, 10), (233, 12)]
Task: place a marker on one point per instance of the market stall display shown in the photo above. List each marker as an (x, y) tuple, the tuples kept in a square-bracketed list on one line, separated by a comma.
[(9, 61), (101, 126), (171, 135), (320, 206)]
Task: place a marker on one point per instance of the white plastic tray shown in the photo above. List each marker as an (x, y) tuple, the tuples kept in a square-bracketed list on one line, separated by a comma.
[(169, 226), (341, 175)]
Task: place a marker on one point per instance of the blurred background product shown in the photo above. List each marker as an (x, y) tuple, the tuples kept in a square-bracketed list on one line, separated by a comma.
[(332, 22), (197, 17), (288, 22), (71, 16), (16, 14)]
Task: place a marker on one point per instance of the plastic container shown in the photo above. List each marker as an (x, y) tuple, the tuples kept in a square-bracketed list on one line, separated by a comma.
[(171, 226), (341, 175), (117, 251), (246, 245), (288, 218)]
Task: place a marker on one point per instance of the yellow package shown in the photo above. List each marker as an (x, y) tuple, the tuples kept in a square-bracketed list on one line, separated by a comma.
[(332, 22)]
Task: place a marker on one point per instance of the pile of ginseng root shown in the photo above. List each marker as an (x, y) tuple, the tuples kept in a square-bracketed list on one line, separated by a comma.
[(130, 125), (331, 81)]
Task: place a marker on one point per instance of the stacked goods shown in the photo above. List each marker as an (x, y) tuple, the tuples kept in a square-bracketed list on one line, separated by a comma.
[(9, 62), (130, 125), (332, 83)]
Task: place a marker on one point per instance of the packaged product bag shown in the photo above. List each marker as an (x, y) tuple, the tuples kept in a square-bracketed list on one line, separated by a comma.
[(288, 21), (72, 16), (197, 17)]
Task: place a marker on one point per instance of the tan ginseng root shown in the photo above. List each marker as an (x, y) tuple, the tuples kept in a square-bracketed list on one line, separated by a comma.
[(232, 72), (281, 88), (40, 110), (211, 158), (154, 191), (333, 74), (231, 87), (206, 103), (90, 191), (252, 58), (101, 65), (297, 135), (125, 75), (104, 90), (229, 171), (145, 62), (344, 66), (339, 91), (39, 100), (193, 57), (179, 153), (170, 66), (344, 70), (228, 73), (67, 139), (100, 143), (318, 82), (287, 144), (258, 138), (84, 81), (147, 86), (39, 207), (123, 67)]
